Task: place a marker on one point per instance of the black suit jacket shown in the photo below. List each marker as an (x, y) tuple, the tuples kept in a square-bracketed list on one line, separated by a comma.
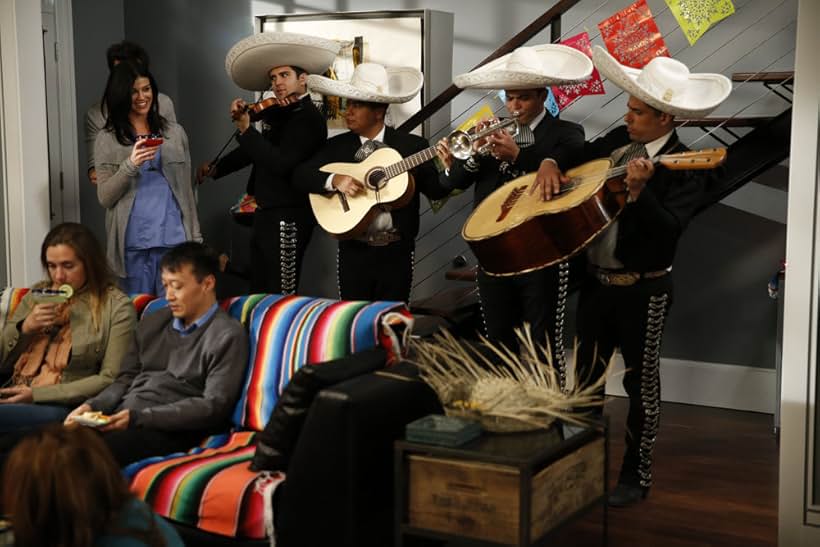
[(649, 227), (293, 135), (343, 148), (554, 138)]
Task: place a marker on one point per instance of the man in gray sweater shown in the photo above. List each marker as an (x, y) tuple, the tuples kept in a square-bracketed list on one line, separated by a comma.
[(182, 376)]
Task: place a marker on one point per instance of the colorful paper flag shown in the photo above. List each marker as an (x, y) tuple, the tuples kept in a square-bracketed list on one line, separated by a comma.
[(551, 104), (565, 95), (632, 36), (695, 17)]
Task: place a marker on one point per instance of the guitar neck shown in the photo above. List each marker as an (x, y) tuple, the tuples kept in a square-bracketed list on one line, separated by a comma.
[(410, 162)]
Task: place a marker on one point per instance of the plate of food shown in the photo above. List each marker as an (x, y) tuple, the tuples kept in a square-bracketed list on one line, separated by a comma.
[(92, 418)]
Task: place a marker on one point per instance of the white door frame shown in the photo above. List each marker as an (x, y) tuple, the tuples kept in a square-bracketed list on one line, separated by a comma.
[(24, 149), (67, 103), (799, 513)]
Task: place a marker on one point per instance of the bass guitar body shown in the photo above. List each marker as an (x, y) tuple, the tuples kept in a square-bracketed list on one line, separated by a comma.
[(514, 231), (346, 217)]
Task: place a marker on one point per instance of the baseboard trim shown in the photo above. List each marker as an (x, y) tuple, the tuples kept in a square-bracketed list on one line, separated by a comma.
[(719, 385)]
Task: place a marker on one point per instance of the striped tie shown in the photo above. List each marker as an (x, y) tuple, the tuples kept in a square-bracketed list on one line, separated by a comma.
[(525, 137), (634, 150), (367, 148)]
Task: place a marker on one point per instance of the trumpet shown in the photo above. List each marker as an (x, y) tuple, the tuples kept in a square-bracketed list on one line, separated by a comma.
[(461, 142)]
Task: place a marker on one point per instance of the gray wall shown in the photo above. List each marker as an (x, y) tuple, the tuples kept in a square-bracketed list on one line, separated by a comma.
[(721, 313)]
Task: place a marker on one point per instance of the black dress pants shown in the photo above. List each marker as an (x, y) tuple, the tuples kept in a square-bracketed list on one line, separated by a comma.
[(631, 318), (537, 298), (367, 272), (280, 237)]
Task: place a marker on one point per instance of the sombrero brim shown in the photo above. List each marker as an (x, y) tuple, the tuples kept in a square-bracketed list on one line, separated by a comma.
[(404, 83), (250, 59), (559, 65), (705, 91)]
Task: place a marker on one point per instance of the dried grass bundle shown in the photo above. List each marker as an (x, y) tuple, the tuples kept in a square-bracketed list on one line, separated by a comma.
[(520, 392)]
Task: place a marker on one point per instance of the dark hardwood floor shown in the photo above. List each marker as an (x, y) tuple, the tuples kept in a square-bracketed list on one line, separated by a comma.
[(715, 483)]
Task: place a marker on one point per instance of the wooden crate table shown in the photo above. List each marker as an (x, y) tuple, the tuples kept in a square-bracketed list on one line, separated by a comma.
[(500, 489)]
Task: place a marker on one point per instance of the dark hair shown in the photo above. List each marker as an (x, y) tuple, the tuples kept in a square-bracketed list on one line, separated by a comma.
[(98, 275), (202, 259), (117, 101), (298, 70), (61, 486), (126, 51)]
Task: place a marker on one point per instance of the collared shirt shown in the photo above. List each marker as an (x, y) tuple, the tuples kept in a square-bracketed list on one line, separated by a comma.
[(536, 120), (601, 252), (384, 220), (184, 331)]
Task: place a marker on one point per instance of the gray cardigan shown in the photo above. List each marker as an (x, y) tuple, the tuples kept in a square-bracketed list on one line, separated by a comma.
[(118, 178)]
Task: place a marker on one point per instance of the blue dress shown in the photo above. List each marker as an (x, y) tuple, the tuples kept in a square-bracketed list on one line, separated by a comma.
[(154, 226)]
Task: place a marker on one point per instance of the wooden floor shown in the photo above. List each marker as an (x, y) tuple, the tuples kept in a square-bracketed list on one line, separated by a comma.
[(715, 483)]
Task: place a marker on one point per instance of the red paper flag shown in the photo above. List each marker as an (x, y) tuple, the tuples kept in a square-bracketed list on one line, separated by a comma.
[(632, 36), (565, 95)]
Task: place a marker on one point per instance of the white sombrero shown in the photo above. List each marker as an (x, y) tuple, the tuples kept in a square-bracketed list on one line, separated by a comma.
[(530, 67), (666, 84), (249, 60), (372, 83)]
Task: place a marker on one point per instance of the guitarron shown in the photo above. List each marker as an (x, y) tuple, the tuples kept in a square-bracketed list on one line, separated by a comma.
[(513, 231)]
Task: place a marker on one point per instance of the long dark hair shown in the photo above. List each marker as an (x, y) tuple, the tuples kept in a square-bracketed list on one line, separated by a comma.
[(98, 275), (116, 101), (61, 486)]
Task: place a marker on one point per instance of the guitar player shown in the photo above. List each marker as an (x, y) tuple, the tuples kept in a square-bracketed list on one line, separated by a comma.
[(378, 263), (538, 297), (627, 294)]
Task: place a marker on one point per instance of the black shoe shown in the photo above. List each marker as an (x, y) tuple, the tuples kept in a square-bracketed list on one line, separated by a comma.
[(625, 495)]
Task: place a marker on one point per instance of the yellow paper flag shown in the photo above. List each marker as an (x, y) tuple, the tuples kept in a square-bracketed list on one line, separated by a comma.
[(695, 17)]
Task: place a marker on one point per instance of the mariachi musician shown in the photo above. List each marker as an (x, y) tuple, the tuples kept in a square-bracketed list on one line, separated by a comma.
[(536, 298), (377, 263), (627, 293), (293, 129)]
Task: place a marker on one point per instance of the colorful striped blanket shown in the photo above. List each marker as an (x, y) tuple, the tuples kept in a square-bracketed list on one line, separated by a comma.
[(211, 487)]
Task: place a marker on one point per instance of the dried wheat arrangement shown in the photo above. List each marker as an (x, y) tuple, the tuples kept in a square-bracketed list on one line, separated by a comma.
[(519, 392)]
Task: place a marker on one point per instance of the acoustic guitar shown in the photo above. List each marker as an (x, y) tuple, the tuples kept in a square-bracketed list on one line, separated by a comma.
[(513, 231), (386, 185)]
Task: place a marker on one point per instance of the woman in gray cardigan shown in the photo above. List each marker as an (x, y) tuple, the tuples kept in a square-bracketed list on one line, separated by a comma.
[(143, 180)]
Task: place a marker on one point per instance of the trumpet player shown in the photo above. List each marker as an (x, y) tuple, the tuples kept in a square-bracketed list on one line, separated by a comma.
[(536, 298)]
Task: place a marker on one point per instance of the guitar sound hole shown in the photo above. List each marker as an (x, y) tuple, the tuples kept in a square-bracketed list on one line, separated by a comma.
[(376, 178)]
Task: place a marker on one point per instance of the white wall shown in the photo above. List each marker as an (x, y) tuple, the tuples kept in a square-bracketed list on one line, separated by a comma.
[(25, 145), (799, 506)]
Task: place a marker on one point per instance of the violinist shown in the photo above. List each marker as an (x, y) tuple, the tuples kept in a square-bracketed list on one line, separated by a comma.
[(292, 130)]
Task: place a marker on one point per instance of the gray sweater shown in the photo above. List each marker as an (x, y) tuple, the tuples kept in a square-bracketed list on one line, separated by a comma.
[(173, 382), (118, 178)]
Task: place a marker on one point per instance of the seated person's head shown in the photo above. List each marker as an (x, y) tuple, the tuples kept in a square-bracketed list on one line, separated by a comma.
[(71, 255), (189, 277), (61, 486)]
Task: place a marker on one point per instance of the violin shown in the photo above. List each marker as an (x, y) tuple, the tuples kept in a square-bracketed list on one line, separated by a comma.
[(256, 110)]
